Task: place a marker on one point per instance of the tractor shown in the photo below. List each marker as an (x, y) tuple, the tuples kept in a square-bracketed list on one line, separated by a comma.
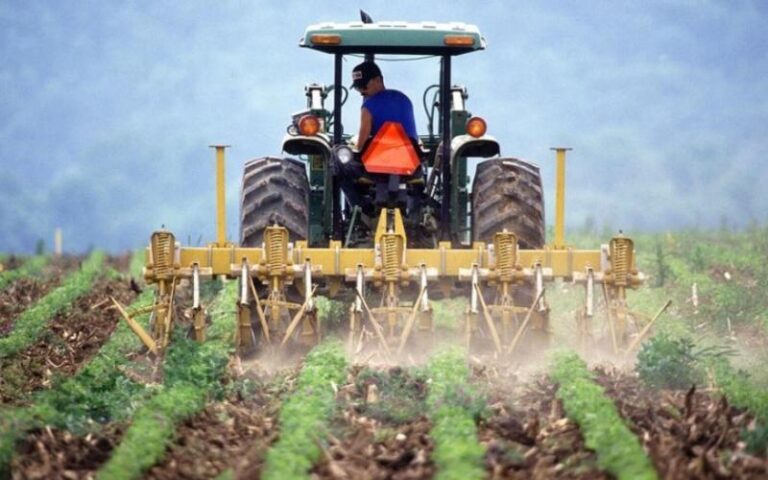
[(406, 237)]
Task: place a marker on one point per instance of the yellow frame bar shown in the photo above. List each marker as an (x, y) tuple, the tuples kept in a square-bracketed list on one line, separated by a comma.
[(334, 261)]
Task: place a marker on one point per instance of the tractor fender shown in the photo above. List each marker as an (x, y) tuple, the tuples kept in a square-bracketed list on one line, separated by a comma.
[(307, 145), (469, 146)]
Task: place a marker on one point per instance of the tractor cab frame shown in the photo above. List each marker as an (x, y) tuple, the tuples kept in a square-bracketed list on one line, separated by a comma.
[(446, 181)]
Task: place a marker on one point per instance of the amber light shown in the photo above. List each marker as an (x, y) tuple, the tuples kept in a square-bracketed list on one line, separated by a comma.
[(325, 39), (476, 127), (309, 125), (459, 40)]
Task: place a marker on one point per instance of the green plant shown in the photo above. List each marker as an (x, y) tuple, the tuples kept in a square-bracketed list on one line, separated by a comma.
[(401, 394), (304, 416), (32, 266), (618, 450), (330, 312), (137, 264), (666, 362), (452, 410), (756, 440)]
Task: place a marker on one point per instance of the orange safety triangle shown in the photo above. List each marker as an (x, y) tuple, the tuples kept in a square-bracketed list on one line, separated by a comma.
[(391, 151)]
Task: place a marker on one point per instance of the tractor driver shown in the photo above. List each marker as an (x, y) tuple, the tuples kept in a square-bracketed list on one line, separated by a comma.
[(380, 104)]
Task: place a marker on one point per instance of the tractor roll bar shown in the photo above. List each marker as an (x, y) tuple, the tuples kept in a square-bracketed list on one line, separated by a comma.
[(445, 164)]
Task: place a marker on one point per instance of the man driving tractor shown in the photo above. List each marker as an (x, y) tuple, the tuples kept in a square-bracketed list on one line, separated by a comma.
[(380, 104)]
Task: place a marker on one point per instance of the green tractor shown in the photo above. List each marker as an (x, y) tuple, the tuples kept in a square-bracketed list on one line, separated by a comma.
[(399, 238), (303, 194)]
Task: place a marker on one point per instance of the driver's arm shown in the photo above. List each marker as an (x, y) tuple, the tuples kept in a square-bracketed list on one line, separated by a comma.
[(366, 124)]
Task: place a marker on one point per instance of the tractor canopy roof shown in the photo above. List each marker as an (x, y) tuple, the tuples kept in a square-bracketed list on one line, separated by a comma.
[(424, 38)]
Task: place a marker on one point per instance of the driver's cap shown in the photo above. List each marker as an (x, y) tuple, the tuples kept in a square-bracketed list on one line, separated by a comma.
[(363, 73)]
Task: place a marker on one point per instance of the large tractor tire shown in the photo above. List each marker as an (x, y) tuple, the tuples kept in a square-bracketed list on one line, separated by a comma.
[(274, 190), (507, 194)]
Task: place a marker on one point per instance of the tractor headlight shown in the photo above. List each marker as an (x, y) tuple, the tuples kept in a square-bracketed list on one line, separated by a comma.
[(476, 127), (344, 154)]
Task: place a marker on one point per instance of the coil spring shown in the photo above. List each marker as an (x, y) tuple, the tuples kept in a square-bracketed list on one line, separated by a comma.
[(391, 255), (276, 250), (621, 251), (162, 253), (506, 253)]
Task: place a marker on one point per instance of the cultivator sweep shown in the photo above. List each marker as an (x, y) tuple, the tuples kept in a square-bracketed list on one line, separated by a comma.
[(395, 240)]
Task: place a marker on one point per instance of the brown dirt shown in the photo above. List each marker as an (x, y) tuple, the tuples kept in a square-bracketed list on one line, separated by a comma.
[(233, 434), (25, 292), (62, 265), (19, 296), (121, 262), (13, 262), (689, 435), (50, 453), (376, 448), (70, 341), (528, 435)]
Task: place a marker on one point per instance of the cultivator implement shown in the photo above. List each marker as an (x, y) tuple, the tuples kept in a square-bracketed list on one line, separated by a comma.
[(389, 288)]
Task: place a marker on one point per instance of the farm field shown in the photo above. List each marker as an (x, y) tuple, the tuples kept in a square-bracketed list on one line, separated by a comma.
[(80, 397)]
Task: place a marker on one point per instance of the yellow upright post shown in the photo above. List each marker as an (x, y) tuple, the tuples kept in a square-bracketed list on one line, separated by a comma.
[(221, 201), (559, 242), (58, 242)]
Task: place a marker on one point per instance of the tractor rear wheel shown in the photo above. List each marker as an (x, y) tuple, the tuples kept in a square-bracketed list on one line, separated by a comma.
[(507, 195), (274, 190)]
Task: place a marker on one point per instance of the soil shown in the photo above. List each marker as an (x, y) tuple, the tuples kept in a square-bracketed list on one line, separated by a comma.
[(528, 435), (688, 435), (378, 443), (25, 292), (232, 434), (19, 296), (50, 453), (72, 338)]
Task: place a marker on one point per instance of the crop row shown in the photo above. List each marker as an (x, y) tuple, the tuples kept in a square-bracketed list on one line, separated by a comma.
[(451, 406), (31, 266), (137, 264), (30, 324), (98, 392), (193, 373), (304, 416), (618, 449)]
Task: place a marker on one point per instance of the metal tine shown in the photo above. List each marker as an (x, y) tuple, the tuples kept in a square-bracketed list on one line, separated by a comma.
[(259, 310), (645, 329), (411, 320), (297, 318), (376, 326), (488, 319), (524, 325)]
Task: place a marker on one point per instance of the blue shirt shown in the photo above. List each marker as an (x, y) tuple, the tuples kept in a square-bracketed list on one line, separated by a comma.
[(391, 106)]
